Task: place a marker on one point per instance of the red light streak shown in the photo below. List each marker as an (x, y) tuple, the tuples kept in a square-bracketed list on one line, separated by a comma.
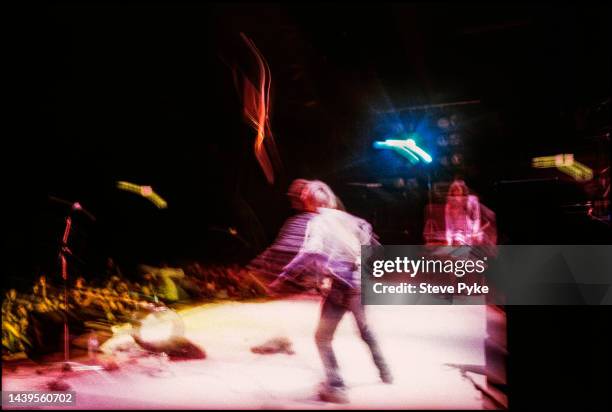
[(257, 111)]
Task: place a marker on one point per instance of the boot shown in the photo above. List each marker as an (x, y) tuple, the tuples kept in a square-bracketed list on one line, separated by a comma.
[(386, 377), (333, 394)]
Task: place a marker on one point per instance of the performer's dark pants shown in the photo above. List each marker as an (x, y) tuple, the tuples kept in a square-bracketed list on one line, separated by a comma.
[(335, 305)]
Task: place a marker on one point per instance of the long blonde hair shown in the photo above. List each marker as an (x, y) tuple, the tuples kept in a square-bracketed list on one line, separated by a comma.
[(311, 194), (458, 185)]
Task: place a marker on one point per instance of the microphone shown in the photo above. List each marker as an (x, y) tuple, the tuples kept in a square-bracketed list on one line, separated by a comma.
[(75, 206)]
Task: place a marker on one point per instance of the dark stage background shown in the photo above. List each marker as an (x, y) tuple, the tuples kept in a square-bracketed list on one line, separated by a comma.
[(146, 94)]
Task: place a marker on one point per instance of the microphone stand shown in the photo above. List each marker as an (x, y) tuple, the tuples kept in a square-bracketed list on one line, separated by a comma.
[(63, 254)]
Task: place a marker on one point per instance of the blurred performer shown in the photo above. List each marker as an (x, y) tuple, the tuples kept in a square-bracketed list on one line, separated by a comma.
[(462, 216), (287, 244), (330, 248)]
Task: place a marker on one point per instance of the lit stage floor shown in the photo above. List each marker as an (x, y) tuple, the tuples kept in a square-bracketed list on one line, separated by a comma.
[(418, 342)]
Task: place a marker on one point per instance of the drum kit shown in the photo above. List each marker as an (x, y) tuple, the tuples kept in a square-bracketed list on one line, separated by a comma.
[(72, 209)]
